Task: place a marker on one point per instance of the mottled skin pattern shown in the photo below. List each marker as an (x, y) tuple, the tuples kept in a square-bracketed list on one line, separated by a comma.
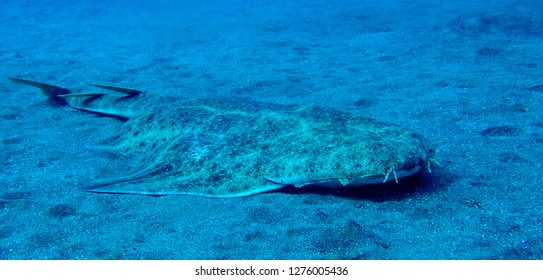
[(225, 148), (233, 147)]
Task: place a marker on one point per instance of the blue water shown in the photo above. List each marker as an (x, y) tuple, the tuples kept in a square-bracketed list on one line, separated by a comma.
[(465, 74)]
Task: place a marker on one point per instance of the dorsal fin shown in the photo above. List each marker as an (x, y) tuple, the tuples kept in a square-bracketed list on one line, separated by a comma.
[(127, 91), (49, 90), (80, 95)]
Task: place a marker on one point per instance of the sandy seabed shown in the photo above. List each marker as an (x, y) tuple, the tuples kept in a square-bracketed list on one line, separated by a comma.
[(466, 76)]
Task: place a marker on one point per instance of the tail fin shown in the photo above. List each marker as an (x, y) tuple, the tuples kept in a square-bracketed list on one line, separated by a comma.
[(98, 103), (49, 90)]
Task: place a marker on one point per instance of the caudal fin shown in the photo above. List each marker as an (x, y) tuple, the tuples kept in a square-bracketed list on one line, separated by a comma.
[(49, 90), (98, 103)]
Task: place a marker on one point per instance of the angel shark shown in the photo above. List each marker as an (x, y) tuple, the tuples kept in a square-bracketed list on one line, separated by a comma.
[(219, 147)]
